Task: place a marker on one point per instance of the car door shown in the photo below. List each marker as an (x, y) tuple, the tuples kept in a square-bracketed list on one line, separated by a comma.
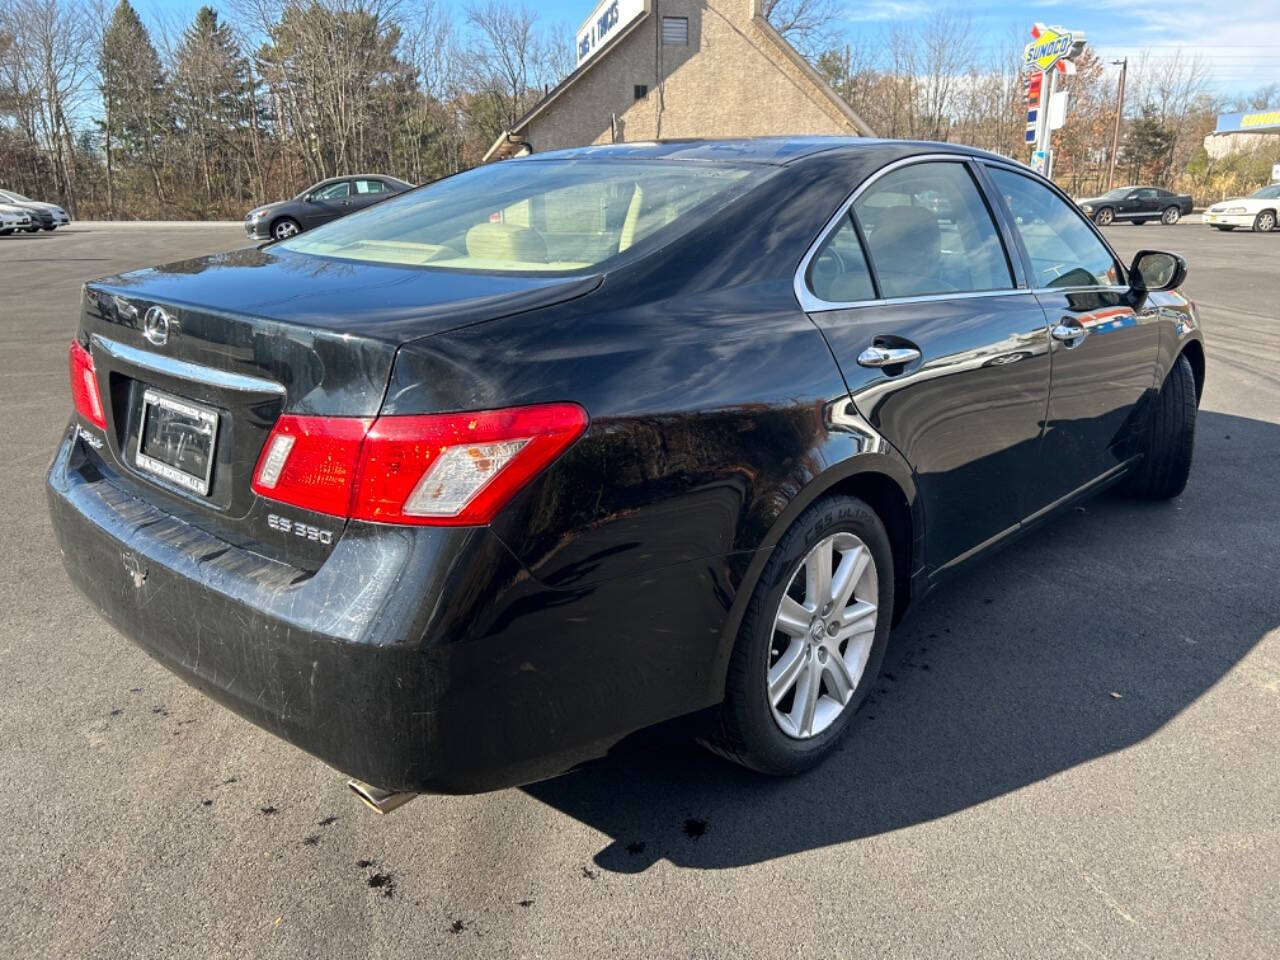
[(945, 353), (1104, 354), (366, 191), (331, 201)]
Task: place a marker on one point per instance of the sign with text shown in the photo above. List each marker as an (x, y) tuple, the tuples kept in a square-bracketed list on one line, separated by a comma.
[(607, 21), (1053, 47), (1257, 120)]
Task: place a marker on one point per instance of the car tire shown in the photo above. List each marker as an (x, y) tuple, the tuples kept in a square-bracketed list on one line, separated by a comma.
[(31, 229), (5, 233), (1104, 217), (750, 725), (50, 229), (1170, 440), (1170, 216), (1264, 222), (284, 228)]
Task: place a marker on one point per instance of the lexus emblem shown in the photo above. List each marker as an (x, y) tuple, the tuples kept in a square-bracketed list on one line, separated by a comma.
[(155, 326)]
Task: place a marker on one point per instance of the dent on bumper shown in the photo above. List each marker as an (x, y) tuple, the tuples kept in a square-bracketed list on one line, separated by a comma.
[(413, 659)]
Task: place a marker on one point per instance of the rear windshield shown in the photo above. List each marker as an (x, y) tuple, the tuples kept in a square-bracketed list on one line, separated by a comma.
[(533, 215)]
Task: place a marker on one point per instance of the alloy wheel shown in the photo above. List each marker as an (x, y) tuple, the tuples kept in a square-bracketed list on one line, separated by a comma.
[(1105, 216), (1171, 216), (284, 229), (823, 632), (1266, 222)]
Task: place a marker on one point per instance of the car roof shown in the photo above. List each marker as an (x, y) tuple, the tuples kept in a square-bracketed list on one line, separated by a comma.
[(766, 150)]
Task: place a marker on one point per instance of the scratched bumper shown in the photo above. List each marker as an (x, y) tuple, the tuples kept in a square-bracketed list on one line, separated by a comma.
[(360, 662)]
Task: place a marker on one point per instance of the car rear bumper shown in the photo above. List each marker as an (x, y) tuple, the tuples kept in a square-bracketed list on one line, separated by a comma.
[(415, 658)]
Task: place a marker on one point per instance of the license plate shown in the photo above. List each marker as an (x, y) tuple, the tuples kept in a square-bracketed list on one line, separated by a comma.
[(176, 440), (1213, 218)]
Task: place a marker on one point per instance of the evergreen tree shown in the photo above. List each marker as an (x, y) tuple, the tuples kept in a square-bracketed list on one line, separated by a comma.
[(133, 98)]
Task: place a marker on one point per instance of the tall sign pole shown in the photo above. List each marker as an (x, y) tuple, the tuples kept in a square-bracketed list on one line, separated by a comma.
[(1115, 133), (1051, 52)]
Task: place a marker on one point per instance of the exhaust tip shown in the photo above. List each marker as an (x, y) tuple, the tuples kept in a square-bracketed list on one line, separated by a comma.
[(377, 799)]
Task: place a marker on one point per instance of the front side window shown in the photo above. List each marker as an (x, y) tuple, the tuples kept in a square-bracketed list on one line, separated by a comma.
[(334, 191), (928, 231), (1064, 251), (534, 215)]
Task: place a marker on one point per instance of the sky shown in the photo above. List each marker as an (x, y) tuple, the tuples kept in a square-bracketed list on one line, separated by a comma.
[(1242, 48)]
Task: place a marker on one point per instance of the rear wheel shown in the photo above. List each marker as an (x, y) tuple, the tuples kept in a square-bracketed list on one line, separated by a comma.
[(284, 228), (1104, 217), (1265, 222), (1170, 216), (812, 640), (1170, 439)]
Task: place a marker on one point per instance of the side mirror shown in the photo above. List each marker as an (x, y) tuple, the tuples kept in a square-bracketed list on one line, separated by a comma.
[(1153, 271)]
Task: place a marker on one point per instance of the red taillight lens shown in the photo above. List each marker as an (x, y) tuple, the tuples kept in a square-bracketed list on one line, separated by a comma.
[(84, 386), (311, 462), (439, 469)]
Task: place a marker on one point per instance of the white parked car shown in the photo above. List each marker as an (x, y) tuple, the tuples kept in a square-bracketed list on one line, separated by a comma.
[(1258, 211), (13, 218)]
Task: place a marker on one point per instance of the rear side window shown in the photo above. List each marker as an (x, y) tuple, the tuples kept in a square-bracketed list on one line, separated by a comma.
[(929, 231), (370, 186), (1064, 252), (839, 274)]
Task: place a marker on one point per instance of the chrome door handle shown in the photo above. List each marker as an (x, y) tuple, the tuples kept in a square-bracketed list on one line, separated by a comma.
[(887, 356), (1068, 332)]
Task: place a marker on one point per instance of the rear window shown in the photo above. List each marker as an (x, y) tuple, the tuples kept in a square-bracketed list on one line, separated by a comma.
[(533, 215)]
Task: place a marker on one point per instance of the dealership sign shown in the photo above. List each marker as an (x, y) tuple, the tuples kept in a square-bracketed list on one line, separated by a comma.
[(607, 21), (1052, 46)]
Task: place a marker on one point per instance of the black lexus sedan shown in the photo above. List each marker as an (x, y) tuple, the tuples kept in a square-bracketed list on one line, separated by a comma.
[(457, 492), (320, 203)]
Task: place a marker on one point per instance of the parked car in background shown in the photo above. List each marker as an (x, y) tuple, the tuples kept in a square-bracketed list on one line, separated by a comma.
[(44, 216), (1258, 211), (1137, 205), (13, 218), (457, 492), (320, 203)]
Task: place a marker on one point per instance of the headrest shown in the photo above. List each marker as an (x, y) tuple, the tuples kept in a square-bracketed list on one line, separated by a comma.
[(505, 241)]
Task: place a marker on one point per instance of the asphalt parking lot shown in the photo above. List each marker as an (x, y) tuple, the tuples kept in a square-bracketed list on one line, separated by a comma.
[(1073, 752)]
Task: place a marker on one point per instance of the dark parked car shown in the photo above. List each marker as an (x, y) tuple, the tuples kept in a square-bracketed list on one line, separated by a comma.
[(457, 492), (320, 203), (1137, 205), (44, 216)]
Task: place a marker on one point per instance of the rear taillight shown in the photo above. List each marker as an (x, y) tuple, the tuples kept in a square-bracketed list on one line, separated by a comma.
[(84, 386), (440, 469)]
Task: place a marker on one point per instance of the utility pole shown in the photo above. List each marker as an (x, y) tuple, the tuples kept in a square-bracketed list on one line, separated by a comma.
[(1115, 133)]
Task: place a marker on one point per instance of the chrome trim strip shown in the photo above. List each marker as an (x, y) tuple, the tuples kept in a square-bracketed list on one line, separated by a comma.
[(184, 370), (811, 303)]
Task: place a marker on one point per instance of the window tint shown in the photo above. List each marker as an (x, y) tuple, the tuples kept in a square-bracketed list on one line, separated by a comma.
[(1064, 251), (335, 191), (370, 186), (839, 274), (928, 231)]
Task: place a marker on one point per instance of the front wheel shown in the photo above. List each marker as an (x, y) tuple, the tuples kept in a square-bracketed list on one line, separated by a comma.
[(1264, 222), (284, 228), (1170, 216), (812, 640), (1170, 439), (1104, 217)]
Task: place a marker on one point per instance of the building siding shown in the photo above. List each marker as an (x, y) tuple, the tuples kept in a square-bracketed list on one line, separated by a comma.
[(732, 80)]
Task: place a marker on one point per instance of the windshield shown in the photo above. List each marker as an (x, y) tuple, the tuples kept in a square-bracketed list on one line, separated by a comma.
[(1267, 193), (533, 215)]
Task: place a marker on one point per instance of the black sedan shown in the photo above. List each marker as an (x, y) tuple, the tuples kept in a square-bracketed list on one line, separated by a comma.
[(320, 203), (457, 492), (1138, 205)]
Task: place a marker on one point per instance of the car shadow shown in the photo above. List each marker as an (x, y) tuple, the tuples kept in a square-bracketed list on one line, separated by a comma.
[(1085, 637)]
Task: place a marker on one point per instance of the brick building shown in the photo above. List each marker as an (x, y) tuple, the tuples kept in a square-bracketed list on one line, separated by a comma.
[(665, 69)]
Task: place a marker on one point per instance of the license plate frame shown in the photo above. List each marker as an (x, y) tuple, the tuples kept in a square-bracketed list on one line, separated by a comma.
[(202, 421)]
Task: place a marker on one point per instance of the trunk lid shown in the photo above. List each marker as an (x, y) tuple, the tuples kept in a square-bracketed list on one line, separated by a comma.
[(247, 335)]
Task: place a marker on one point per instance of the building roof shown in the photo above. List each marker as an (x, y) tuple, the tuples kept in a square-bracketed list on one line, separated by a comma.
[(509, 140)]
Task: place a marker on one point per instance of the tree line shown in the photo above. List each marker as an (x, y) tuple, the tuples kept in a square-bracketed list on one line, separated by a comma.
[(252, 103)]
